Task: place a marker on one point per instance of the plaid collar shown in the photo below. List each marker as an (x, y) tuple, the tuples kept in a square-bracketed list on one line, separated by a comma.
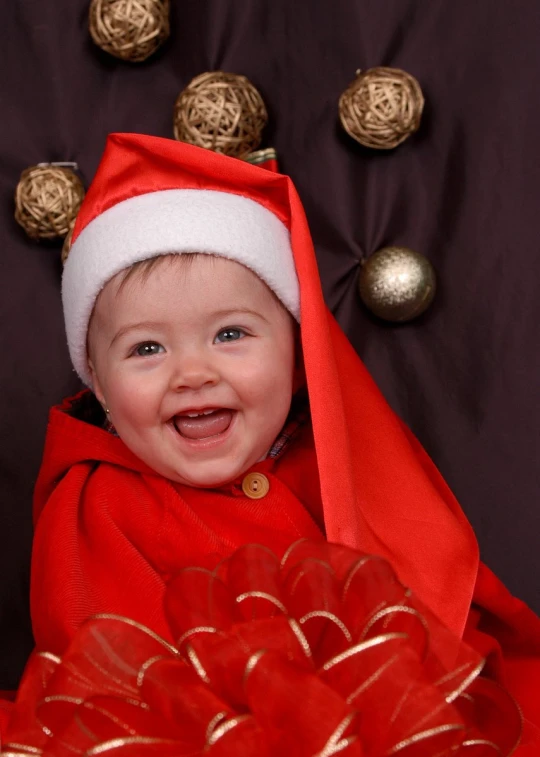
[(298, 415)]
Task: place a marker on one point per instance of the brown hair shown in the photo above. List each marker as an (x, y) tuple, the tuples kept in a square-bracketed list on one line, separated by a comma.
[(143, 268)]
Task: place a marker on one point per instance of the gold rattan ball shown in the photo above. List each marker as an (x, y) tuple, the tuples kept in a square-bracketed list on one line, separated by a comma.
[(397, 284), (47, 199), (222, 112), (129, 29), (381, 107)]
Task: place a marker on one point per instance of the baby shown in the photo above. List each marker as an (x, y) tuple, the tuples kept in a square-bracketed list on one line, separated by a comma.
[(228, 407)]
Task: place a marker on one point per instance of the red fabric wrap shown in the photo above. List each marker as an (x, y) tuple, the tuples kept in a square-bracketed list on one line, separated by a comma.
[(323, 653)]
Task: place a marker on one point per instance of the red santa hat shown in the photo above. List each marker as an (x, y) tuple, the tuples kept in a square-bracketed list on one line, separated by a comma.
[(153, 196)]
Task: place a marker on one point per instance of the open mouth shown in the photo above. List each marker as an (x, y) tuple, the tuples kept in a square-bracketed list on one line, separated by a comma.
[(203, 424)]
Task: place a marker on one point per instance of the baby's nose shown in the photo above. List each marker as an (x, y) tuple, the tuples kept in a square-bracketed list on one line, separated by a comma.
[(194, 372)]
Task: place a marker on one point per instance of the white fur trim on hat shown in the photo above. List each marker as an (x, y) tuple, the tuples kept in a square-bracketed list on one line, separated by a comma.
[(173, 221)]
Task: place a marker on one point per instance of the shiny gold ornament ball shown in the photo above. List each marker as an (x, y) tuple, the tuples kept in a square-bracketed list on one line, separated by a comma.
[(47, 200), (128, 29), (381, 107), (397, 284), (221, 112)]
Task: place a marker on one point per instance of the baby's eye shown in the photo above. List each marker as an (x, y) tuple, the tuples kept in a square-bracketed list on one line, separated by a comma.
[(229, 335), (148, 348)]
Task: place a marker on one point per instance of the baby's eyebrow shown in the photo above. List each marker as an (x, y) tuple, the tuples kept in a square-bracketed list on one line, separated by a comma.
[(234, 311), (133, 326)]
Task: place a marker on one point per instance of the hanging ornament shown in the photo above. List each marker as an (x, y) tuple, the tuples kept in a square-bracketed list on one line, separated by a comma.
[(47, 199), (381, 107), (222, 112), (397, 284), (129, 30)]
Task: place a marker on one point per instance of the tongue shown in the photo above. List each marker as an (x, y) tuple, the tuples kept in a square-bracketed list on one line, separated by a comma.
[(204, 425)]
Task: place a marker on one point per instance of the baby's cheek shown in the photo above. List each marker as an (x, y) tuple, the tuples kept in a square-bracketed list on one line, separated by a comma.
[(268, 389), (133, 398), (271, 397)]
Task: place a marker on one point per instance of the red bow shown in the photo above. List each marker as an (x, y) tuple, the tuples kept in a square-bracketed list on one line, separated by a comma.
[(324, 653)]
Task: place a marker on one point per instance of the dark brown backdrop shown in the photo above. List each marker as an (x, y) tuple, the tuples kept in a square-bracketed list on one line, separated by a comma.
[(464, 191)]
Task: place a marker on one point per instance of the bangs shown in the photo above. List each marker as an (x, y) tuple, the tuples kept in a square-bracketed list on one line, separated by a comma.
[(141, 270)]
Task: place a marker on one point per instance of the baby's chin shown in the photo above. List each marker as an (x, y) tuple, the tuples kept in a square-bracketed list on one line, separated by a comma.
[(205, 482), (214, 478)]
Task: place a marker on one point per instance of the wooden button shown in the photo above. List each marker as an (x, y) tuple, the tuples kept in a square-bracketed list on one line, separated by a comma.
[(255, 485)]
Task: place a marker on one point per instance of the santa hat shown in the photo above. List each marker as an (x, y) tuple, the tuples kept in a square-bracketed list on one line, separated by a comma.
[(153, 196)]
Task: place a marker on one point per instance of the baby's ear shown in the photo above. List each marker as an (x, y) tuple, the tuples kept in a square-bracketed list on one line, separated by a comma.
[(96, 386)]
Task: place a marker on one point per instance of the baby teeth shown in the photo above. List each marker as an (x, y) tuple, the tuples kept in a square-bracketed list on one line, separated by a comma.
[(196, 415)]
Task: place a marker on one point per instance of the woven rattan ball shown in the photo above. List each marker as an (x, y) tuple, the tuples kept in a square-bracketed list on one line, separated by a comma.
[(47, 199), (222, 112), (381, 107), (129, 29)]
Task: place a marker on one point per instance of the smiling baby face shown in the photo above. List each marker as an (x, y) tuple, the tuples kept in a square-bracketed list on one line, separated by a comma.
[(195, 361)]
